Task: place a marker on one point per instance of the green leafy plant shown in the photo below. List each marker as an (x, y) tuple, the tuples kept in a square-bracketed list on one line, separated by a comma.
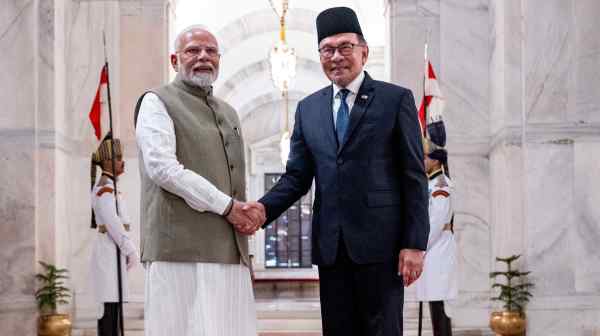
[(514, 294), (53, 290)]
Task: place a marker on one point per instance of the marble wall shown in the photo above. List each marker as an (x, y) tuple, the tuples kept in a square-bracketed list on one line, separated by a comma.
[(24, 66), (540, 121), (520, 79), (53, 53)]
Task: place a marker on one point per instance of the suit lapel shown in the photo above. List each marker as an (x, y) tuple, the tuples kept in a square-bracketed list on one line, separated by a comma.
[(326, 117), (363, 99)]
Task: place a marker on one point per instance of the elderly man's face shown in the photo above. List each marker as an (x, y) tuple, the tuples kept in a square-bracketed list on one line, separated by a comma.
[(197, 57), (347, 60)]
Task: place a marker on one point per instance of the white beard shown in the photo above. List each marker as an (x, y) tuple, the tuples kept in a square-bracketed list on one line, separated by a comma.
[(200, 80)]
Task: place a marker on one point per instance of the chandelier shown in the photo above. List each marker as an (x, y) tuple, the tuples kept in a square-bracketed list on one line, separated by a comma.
[(283, 65), (283, 69)]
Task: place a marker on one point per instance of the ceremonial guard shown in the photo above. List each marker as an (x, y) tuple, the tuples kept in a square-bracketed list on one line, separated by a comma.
[(112, 230), (438, 282)]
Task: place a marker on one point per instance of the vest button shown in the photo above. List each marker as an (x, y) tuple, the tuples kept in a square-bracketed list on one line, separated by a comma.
[(231, 167), (340, 161), (220, 121)]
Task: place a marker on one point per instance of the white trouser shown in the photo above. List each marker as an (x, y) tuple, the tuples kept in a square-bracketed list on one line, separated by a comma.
[(199, 299)]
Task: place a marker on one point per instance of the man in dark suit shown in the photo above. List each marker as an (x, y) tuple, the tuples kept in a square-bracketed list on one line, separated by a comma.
[(360, 140)]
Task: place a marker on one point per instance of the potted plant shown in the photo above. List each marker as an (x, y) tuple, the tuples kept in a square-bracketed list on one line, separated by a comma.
[(514, 294), (52, 293)]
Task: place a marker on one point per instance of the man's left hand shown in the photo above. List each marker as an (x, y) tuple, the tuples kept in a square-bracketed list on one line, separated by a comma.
[(410, 265)]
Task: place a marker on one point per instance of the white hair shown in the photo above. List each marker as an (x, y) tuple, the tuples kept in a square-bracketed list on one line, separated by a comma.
[(177, 42)]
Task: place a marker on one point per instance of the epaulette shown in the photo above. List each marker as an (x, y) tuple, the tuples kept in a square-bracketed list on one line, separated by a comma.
[(441, 182), (104, 190), (440, 192)]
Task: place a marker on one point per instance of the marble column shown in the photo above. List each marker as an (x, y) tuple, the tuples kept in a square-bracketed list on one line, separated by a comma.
[(545, 106), (50, 69), (25, 205)]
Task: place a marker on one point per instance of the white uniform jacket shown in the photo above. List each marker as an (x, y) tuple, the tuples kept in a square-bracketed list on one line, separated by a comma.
[(439, 282), (103, 263)]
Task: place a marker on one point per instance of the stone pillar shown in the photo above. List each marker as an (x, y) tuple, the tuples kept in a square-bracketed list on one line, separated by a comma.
[(25, 159), (545, 67)]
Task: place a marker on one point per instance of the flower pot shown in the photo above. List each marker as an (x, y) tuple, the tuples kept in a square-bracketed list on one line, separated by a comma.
[(507, 323), (54, 325)]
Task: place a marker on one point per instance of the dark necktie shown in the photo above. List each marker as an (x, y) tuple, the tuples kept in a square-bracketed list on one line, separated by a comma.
[(342, 118)]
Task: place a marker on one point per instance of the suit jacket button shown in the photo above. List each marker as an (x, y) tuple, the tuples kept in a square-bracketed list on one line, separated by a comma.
[(340, 161)]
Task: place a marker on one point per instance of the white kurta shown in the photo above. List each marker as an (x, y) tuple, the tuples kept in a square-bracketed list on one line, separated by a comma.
[(103, 263), (199, 299), (439, 282), (189, 299)]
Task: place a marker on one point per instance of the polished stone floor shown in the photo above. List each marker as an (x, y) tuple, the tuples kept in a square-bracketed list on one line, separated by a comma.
[(278, 317)]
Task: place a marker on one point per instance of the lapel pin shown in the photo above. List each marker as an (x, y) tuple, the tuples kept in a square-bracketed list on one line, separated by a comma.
[(364, 97)]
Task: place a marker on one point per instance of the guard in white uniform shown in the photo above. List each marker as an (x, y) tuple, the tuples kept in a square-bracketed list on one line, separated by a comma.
[(438, 282), (112, 230)]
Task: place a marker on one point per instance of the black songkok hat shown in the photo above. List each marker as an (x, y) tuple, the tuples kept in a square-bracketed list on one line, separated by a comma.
[(337, 20)]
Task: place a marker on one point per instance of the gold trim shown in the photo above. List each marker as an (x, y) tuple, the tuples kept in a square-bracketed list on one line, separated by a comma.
[(102, 228), (435, 172)]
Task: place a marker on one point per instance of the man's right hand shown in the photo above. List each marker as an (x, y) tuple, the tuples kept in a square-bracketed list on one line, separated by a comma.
[(246, 218)]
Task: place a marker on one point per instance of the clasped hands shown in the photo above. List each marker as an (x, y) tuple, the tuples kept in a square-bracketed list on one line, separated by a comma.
[(247, 217)]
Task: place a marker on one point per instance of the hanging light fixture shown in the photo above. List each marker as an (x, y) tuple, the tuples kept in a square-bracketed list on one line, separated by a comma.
[(283, 69), (283, 65), (279, 6), (282, 57)]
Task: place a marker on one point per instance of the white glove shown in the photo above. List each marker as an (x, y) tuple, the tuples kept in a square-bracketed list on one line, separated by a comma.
[(132, 260)]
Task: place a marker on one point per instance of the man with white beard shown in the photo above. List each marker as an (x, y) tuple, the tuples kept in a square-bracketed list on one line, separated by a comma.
[(195, 220)]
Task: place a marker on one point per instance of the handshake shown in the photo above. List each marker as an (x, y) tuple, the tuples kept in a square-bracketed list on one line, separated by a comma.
[(246, 217)]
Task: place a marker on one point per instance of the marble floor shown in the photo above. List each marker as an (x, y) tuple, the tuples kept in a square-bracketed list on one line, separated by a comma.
[(278, 317)]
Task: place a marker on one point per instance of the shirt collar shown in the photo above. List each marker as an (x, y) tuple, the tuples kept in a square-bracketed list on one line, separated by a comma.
[(354, 86)]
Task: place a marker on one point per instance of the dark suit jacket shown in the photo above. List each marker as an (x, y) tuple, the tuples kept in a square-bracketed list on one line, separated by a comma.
[(372, 186)]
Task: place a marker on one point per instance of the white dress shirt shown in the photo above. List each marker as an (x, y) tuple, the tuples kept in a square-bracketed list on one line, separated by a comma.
[(353, 87), (155, 135)]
